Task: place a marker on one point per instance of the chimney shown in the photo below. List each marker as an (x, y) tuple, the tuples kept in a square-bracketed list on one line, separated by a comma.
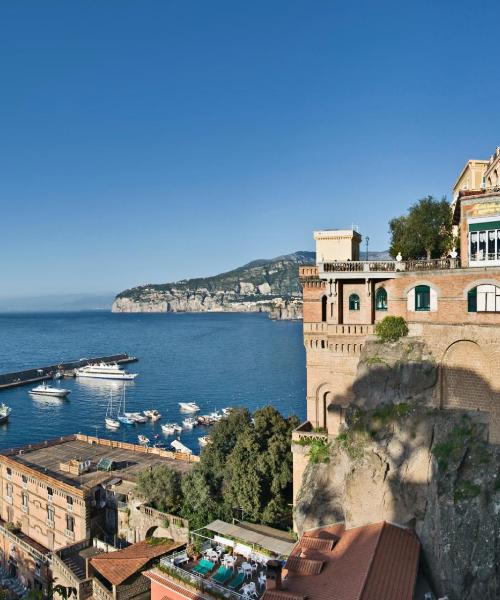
[(273, 575)]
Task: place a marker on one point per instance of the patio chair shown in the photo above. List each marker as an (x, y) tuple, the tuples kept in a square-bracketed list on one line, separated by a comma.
[(236, 581), (204, 566), (222, 575)]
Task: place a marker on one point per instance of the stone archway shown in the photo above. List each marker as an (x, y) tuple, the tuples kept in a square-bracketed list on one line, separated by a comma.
[(465, 380)]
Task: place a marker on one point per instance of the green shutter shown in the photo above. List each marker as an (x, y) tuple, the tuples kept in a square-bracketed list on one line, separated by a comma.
[(472, 300), (484, 226)]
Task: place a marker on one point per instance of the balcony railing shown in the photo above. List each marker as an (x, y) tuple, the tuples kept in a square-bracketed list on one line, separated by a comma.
[(388, 266), (333, 329)]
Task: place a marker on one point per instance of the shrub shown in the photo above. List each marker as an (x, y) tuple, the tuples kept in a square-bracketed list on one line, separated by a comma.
[(390, 329), (466, 491)]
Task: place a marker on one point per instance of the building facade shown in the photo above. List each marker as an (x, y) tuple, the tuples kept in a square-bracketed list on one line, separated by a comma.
[(452, 304)]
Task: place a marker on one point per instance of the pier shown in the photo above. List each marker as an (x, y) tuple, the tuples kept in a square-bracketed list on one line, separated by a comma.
[(28, 376)]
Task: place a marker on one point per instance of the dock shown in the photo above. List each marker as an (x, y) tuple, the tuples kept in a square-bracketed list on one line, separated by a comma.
[(28, 376)]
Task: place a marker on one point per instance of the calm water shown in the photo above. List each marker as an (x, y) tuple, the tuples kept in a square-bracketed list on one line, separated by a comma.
[(216, 360)]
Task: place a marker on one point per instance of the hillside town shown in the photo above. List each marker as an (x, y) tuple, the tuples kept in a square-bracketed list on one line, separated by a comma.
[(73, 521)]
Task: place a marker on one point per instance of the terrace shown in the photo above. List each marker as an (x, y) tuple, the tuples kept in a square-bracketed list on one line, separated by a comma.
[(385, 268), (231, 564)]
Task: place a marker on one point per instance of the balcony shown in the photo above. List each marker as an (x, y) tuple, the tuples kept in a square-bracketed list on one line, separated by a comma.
[(69, 534), (382, 268), (333, 329)]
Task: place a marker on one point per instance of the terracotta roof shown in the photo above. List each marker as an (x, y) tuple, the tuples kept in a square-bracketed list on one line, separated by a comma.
[(160, 578), (372, 562), (118, 566)]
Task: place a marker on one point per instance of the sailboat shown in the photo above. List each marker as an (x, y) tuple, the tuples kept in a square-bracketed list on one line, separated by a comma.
[(111, 423), (122, 415)]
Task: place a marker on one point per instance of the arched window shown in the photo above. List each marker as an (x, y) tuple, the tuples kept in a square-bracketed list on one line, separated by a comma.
[(422, 297), (324, 302), (484, 298), (353, 302), (381, 299)]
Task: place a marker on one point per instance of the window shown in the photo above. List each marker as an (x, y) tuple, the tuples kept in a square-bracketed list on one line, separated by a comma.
[(24, 498), (8, 490), (69, 500), (51, 514), (70, 523), (354, 302), (9, 473), (324, 301), (484, 298), (25, 481), (381, 299), (50, 493), (484, 241), (422, 297)]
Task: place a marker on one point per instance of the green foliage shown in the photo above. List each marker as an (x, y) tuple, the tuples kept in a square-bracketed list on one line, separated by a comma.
[(161, 487), (391, 329), (466, 490), (54, 592), (390, 412), (453, 447), (158, 541), (319, 449), (353, 442), (426, 231)]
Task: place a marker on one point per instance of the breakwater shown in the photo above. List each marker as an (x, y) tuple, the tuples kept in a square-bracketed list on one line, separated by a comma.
[(27, 376)]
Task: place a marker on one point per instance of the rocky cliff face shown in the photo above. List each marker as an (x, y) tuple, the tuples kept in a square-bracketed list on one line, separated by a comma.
[(270, 286), (420, 467)]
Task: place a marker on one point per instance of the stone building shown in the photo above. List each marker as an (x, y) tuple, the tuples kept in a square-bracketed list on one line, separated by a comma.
[(62, 492), (452, 304)]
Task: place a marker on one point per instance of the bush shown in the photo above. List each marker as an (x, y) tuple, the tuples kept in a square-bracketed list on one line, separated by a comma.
[(391, 329)]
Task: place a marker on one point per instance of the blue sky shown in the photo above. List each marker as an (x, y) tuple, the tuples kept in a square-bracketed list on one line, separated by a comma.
[(147, 141)]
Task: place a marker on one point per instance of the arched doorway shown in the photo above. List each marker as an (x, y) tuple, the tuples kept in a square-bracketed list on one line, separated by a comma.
[(151, 532), (465, 377)]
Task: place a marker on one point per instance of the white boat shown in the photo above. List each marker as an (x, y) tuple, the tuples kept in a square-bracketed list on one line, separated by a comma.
[(204, 440), (143, 439), (122, 416), (189, 407), (189, 423), (136, 417), (110, 421), (58, 375), (4, 413), (171, 428), (105, 371), (152, 414), (46, 390), (179, 447), (177, 428)]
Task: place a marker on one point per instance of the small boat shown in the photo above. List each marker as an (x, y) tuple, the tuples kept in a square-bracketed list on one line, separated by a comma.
[(122, 416), (104, 371), (204, 441), (171, 428), (189, 407), (46, 390), (177, 428), (136, 417), (143, 439), (189, 423), (125, 420), (179, 447), (58, 375), (152, 414), (111, 423), (4, 413)]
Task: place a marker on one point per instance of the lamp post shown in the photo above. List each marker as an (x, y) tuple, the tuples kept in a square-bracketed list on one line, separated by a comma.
[(367, 239)]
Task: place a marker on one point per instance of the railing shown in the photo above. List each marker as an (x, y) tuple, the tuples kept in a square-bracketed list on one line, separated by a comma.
[(361, 266), (17, 539), (308, 271), (99, 591), (335, 329), (156, 514), (169, 570), (305, 431), (433, 264)]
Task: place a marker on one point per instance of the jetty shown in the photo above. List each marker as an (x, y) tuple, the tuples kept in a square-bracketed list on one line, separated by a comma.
[(67, 369)]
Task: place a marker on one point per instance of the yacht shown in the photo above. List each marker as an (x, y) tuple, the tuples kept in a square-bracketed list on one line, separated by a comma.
[(105, 371), (152, 414), (111, 422), (4, 413), (189, 407), (189, 423), (171, 428), (136, 417), (46, 390), (179, 447)]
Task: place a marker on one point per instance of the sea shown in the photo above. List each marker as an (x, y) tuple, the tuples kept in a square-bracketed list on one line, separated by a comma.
[(217, 360)]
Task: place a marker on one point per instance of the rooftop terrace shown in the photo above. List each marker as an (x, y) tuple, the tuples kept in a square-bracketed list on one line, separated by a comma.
[(128, 459)]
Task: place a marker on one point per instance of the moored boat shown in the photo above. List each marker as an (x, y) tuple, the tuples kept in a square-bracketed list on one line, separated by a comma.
[(105, 371), (169, 428), (109, 420), (189, 423), (4, 413), (46, 390), (143, 439), (189, 407), (136, 417), (125, 420), (152, 414)]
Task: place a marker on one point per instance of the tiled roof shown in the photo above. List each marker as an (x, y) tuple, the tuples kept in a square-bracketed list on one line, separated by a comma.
[(153, 575), (372, 562), (118, 566)]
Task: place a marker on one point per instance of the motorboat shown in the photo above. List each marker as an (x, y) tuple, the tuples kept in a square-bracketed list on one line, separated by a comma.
[(143, 439), (125, 420), (189, 423), (204, 440), (179, 447), (170, 428), (152, 414), (136, 417), (46, 390), (189, 407), (105, 371), (4, 413), (58, 375), (110, 421)]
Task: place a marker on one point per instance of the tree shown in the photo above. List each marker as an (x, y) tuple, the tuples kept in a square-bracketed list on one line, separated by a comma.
[(425, 231), (199, 505), (161, 487)]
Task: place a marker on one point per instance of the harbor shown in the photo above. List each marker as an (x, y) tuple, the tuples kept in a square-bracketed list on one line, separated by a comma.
[(65, 369)]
